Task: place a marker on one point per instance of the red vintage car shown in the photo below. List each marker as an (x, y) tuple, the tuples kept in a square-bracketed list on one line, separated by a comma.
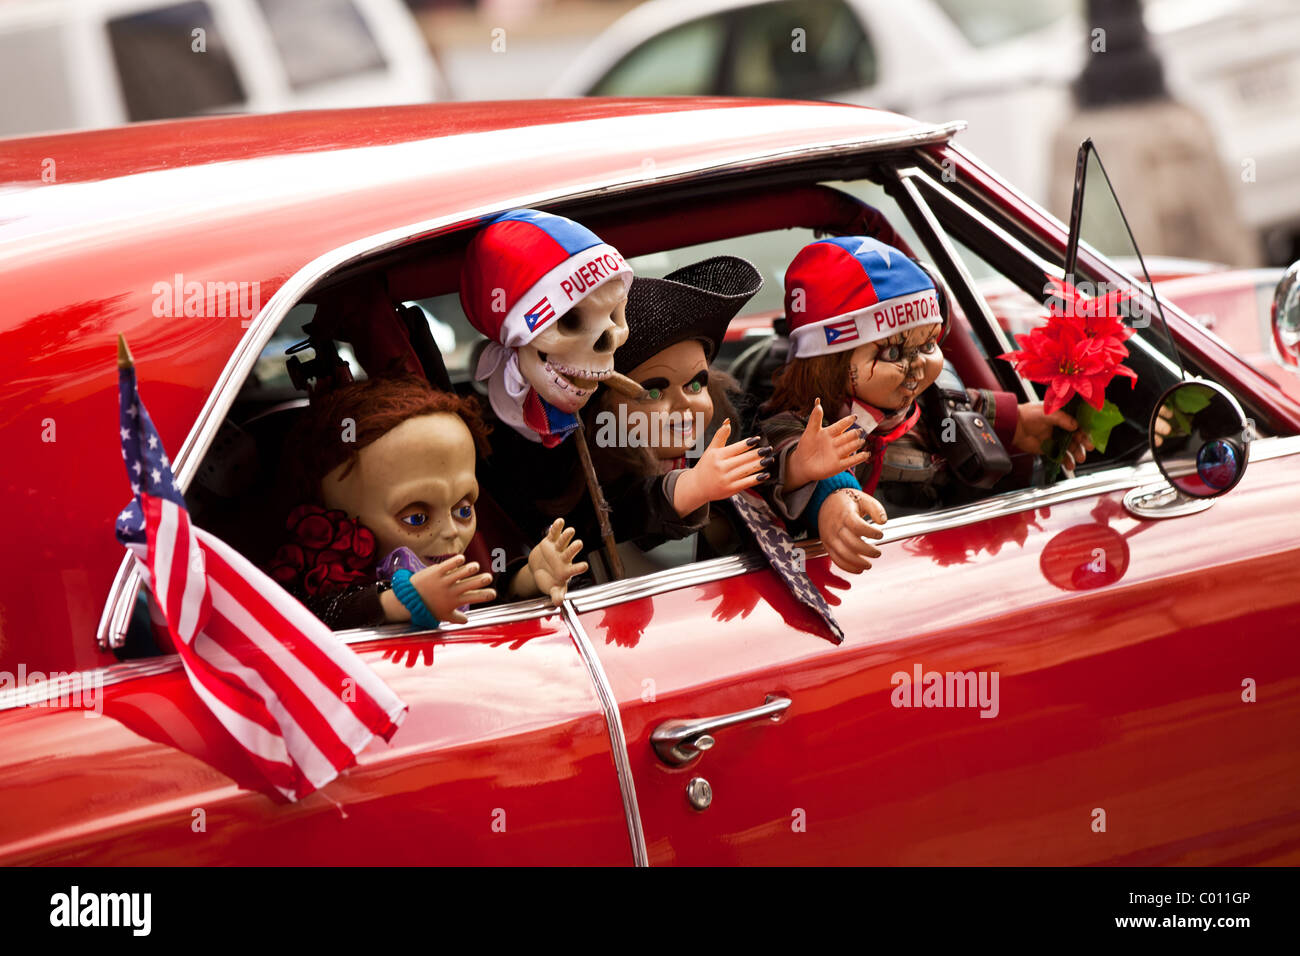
[(1138, 646)]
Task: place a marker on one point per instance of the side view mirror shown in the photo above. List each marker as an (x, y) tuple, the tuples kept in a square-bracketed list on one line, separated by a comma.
[(1200, 438), (1286, 319)]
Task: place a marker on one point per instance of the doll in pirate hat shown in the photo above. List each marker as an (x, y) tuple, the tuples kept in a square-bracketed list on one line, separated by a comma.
[(665, 456), (866, 323)]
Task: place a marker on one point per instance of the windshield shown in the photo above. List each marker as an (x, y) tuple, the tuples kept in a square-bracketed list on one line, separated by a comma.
[(1098, 227)]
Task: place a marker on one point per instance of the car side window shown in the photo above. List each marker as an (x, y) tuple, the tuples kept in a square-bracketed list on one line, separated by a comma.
[(161, 76), (796, 49), (683, 61), (321, 40)]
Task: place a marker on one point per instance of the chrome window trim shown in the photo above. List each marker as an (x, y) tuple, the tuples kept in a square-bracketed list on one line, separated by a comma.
[(702, 572), (905, 177), (617, 740), (263, 326)]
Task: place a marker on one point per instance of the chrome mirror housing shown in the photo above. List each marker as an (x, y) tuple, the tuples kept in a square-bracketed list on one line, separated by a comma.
[(1286, 319), (1200, 438)]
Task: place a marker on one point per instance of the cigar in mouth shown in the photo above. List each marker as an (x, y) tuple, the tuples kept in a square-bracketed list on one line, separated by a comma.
[(624, 385)]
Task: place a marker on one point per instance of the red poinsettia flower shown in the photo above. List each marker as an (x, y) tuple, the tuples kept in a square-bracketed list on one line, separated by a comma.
[(1078, 351)]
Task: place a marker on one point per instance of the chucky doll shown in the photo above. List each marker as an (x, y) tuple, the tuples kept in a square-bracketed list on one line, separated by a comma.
[(866, 323)]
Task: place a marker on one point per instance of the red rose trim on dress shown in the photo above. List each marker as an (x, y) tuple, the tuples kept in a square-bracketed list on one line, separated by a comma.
[(328, 552)]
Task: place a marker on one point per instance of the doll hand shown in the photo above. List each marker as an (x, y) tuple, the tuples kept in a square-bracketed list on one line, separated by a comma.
[(842, 524), (450, 584), (1033, 427), (722, 471), (551, 562), (1164, 424), (823, 452)]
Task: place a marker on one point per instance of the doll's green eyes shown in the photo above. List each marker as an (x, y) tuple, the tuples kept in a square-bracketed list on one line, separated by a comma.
[(656, 387)]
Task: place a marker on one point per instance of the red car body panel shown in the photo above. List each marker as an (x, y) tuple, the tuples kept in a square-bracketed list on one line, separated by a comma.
[(503, 759), (1102, 706), (1121, 687)]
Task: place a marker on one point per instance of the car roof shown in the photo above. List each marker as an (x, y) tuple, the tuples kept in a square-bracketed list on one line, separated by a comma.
[(388, 166)]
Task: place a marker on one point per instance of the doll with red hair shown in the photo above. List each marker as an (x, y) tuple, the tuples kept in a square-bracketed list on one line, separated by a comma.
[(392, 527), (866, 322)]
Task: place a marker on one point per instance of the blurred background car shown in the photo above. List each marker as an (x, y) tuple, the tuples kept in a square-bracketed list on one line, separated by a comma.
[(1005, 66), (90, 63)]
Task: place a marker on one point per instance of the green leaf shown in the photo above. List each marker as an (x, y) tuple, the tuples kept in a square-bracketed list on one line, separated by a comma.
[(1097, 425), (1192, 398)]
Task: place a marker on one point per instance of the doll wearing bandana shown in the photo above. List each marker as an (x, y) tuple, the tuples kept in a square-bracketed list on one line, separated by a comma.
[(659, 484), (549, 295), (392, 527), (865, 324)]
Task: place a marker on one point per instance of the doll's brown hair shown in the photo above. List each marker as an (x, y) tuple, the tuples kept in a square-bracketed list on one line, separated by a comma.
[(803, 381), (375, 407)]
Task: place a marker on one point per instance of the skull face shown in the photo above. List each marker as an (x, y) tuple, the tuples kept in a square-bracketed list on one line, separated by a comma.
[(567, 361)]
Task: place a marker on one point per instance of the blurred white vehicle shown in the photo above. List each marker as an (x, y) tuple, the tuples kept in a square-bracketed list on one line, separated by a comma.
[(89, 63), (1003, 65)]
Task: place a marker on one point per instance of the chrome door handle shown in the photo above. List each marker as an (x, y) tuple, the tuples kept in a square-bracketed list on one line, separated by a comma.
[(679, 742)]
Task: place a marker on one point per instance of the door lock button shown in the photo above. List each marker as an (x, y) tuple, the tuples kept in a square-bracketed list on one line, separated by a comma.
[(699, 793)]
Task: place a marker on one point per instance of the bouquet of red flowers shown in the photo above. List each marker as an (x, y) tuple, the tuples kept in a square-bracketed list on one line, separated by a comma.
[(1076, 354)]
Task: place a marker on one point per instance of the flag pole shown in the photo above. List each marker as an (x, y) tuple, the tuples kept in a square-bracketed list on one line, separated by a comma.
[(124, 359)]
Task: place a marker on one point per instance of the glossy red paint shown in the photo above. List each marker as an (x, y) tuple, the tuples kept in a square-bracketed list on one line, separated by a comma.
[(503, 759), (1100, 704)]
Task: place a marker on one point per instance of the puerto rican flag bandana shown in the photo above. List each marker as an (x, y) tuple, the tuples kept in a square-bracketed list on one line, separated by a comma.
[(527, 268), (845, 292), (523, 271)]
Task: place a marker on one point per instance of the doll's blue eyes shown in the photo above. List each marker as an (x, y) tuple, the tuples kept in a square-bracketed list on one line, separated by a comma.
[(417, 520), (464, 512)]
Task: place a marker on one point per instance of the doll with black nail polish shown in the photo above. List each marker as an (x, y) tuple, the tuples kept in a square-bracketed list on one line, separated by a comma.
[(665, 459)]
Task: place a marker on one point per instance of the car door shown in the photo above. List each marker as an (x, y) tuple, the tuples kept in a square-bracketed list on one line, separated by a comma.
[(1047, 676), (504, 758), (1093, 698)]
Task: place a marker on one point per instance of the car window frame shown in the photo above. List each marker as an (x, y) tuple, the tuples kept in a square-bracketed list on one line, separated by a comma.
[(120, 603)]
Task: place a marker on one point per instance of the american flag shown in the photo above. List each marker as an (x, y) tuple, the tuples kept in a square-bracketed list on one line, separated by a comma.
[(298, 701)]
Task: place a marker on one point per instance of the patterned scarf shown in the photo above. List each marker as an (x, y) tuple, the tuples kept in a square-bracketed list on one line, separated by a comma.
[(881, 429), (517, 403), (779, 549)]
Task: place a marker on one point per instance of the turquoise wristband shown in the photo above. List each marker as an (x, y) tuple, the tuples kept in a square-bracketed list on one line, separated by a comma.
[(421, 616), (825, 488)]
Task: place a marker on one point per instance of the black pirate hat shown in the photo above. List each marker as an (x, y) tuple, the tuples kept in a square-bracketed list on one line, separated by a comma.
[(697, 301)]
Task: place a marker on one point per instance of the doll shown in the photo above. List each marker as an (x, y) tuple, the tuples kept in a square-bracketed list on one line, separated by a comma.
[(550, 297), (664, 457), (387, 467), (866, 322)]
